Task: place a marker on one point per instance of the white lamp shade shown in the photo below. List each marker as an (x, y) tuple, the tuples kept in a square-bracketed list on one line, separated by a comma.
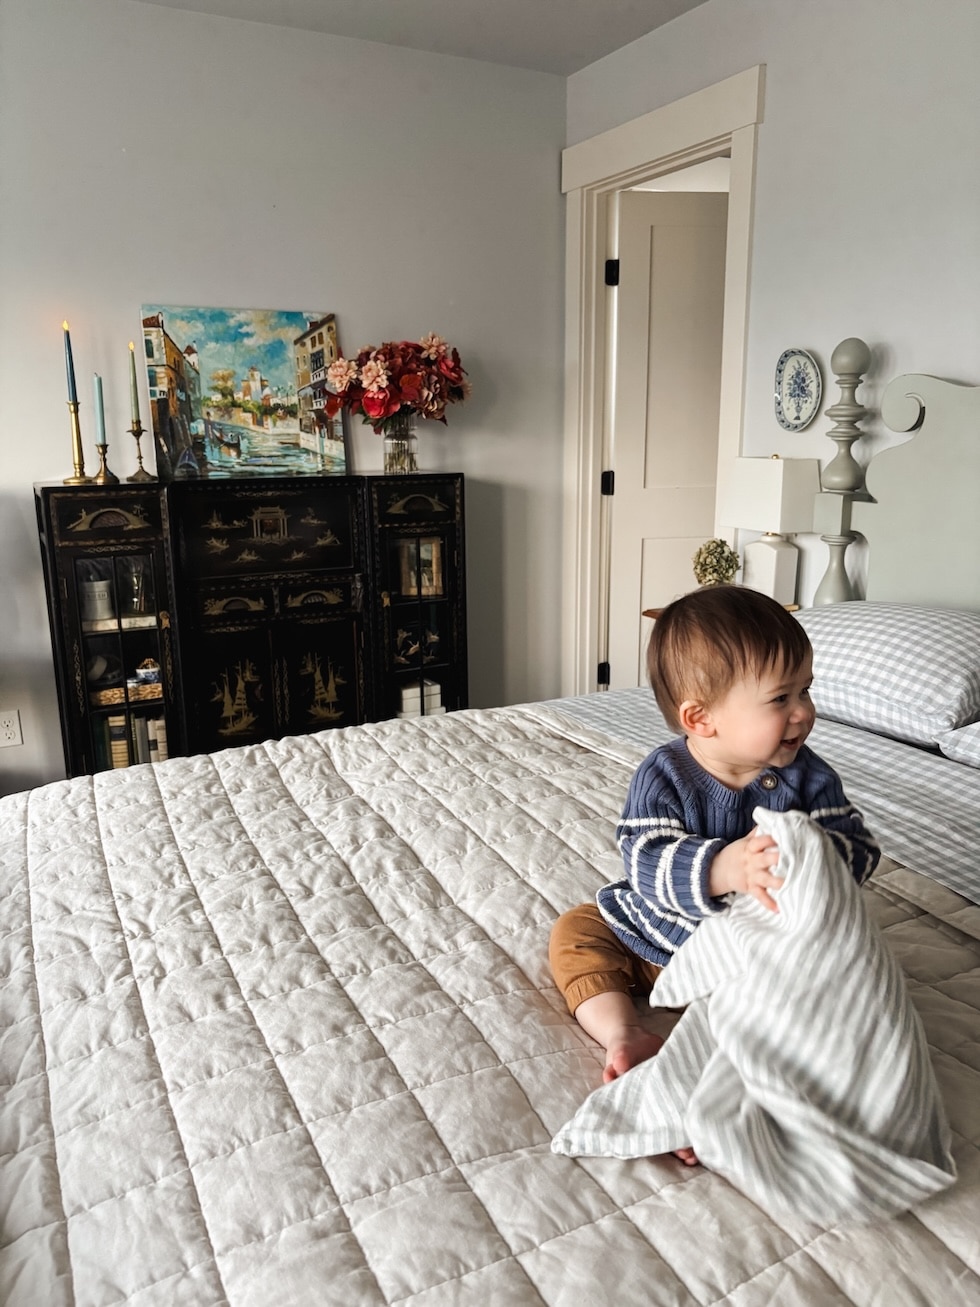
[(771, 494)]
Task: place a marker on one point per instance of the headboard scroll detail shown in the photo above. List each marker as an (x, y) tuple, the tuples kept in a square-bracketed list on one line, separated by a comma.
[(924, 529)]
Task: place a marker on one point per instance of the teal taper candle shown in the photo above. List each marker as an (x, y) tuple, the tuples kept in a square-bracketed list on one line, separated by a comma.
[(69, 367), (133, 392), (99, 411)]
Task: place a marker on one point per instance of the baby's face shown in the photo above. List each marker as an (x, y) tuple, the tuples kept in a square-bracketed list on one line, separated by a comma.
[(764, 722)]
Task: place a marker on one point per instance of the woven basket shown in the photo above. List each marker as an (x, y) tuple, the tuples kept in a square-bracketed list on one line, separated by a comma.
[(138, 694)]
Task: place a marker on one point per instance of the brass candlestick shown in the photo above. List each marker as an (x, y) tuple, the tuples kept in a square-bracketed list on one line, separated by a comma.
[(79, 478), (104, 477), (141, 473)]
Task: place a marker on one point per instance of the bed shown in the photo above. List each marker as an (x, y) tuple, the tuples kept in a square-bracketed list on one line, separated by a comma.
[(278, 1025)]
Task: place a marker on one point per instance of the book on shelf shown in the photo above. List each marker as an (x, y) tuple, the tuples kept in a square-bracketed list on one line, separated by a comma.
[(141, 739), (118, 740), (157, 731)]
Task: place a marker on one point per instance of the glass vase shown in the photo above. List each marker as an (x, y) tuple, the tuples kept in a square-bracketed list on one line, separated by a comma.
[(400, 445)]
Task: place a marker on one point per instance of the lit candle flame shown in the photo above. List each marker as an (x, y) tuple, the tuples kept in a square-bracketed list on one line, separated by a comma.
[(64, 325)]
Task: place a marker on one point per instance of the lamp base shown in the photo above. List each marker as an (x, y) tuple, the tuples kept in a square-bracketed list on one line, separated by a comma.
[(770, 565)]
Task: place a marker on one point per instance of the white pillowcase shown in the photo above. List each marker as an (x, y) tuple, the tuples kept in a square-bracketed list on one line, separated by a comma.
[(800, 1070), (901, 670), (962, 745)]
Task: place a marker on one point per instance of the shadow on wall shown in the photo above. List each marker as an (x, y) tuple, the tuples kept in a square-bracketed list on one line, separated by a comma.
[(26, 669), (484, 592)]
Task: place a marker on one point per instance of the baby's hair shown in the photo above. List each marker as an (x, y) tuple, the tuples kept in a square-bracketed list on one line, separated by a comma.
[(707, 640)]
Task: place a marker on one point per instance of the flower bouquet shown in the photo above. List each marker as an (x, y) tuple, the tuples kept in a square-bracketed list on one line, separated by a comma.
[(397, 380), (715, 563)]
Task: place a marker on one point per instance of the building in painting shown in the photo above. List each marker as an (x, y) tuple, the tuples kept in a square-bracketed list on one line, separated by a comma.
[(174, 379), (256, 389), (313, 353)]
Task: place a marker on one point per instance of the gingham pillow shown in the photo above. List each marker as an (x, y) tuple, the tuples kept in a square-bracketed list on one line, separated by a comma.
[(909, 672), (962, 745)]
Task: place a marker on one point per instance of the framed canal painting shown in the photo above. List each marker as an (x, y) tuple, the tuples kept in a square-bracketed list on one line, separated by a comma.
[(241, 392)]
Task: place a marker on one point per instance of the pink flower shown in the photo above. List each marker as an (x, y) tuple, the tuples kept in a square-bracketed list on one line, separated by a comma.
[(432, 346), (341, 373), (374, 375)]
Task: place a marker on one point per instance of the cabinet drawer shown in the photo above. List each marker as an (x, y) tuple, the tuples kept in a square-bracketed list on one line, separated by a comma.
[(304, 597), (235, 603), (414, 501), (254, 530), (110, 517)]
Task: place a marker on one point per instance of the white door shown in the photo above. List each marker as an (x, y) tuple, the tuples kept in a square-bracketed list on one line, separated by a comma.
[(670, 305)]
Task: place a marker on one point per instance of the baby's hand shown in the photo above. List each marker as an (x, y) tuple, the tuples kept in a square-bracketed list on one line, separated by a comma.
[(746, 866)]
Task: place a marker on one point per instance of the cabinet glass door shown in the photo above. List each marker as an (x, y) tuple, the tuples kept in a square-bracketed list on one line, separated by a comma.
[(121, 658), (418, 636)]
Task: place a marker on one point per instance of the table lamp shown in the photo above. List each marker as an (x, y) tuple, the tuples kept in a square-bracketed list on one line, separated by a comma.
[(773, 495)]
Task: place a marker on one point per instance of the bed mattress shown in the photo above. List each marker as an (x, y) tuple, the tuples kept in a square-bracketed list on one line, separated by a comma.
[(278, 1027)]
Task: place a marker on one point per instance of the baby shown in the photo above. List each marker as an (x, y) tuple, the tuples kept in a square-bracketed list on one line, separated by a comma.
[(731, 671)]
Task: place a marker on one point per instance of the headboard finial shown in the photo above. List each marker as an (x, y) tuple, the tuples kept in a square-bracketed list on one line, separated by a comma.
[(851, 355), (842, 479), (850, 360)]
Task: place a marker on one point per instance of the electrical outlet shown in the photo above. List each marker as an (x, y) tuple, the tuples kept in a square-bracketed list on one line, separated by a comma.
[(10, 732)]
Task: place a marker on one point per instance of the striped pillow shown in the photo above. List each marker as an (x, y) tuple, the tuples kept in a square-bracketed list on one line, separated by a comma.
[(897, 669), (799, 1070)]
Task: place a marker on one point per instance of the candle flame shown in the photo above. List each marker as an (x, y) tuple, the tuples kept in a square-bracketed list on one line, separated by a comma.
[(64, 326), (131, 345)]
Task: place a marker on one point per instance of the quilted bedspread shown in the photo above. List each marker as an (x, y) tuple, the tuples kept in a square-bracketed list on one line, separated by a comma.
[(277, 1028)]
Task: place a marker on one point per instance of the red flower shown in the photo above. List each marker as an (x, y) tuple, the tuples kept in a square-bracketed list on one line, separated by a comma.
[(378, 404)]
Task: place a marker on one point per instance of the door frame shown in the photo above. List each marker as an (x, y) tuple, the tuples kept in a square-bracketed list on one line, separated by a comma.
[(720, 120)]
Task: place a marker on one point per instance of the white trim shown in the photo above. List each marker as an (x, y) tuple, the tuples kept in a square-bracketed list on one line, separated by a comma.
[(720, 119)]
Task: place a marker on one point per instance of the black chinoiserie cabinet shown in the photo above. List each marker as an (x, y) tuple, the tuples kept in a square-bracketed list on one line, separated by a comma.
[(202, 614)]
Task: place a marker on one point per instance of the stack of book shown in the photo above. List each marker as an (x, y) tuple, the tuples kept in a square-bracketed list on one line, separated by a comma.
[(133, 739), (118, 740), (421, 700)]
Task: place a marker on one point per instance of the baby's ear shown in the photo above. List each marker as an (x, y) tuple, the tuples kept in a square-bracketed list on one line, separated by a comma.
[(695, 718)]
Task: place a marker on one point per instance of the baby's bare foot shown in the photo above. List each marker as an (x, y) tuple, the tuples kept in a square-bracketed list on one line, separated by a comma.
[(635, 1045)]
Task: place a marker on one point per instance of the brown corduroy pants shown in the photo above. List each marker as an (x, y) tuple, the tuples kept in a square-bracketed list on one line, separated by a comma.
[(588, 959)]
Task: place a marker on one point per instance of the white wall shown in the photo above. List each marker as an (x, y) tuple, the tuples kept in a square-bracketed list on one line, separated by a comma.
[(867, 211), (151, 155)]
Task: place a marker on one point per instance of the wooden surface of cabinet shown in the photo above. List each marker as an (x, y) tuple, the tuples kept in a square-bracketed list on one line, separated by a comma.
[(230, 611)]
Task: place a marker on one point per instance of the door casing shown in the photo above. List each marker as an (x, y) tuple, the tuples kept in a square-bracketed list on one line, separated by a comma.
[(720, 120)]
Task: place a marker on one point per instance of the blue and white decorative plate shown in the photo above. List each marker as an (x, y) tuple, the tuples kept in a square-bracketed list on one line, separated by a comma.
[(798, 389)]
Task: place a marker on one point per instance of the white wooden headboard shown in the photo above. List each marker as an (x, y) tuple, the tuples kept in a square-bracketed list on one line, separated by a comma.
[(924, 528)]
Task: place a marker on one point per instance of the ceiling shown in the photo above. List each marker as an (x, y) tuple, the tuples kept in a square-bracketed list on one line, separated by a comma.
[(549, 36)]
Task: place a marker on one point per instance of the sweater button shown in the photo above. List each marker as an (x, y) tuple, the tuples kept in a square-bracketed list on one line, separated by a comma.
[(768, 782)]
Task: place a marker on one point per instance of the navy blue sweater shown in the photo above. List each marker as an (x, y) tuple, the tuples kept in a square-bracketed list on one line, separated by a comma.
[(678, 816)]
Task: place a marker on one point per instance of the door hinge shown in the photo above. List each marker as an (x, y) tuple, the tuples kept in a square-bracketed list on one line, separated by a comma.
[(602, 674), (612, 272), (607, 483)]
